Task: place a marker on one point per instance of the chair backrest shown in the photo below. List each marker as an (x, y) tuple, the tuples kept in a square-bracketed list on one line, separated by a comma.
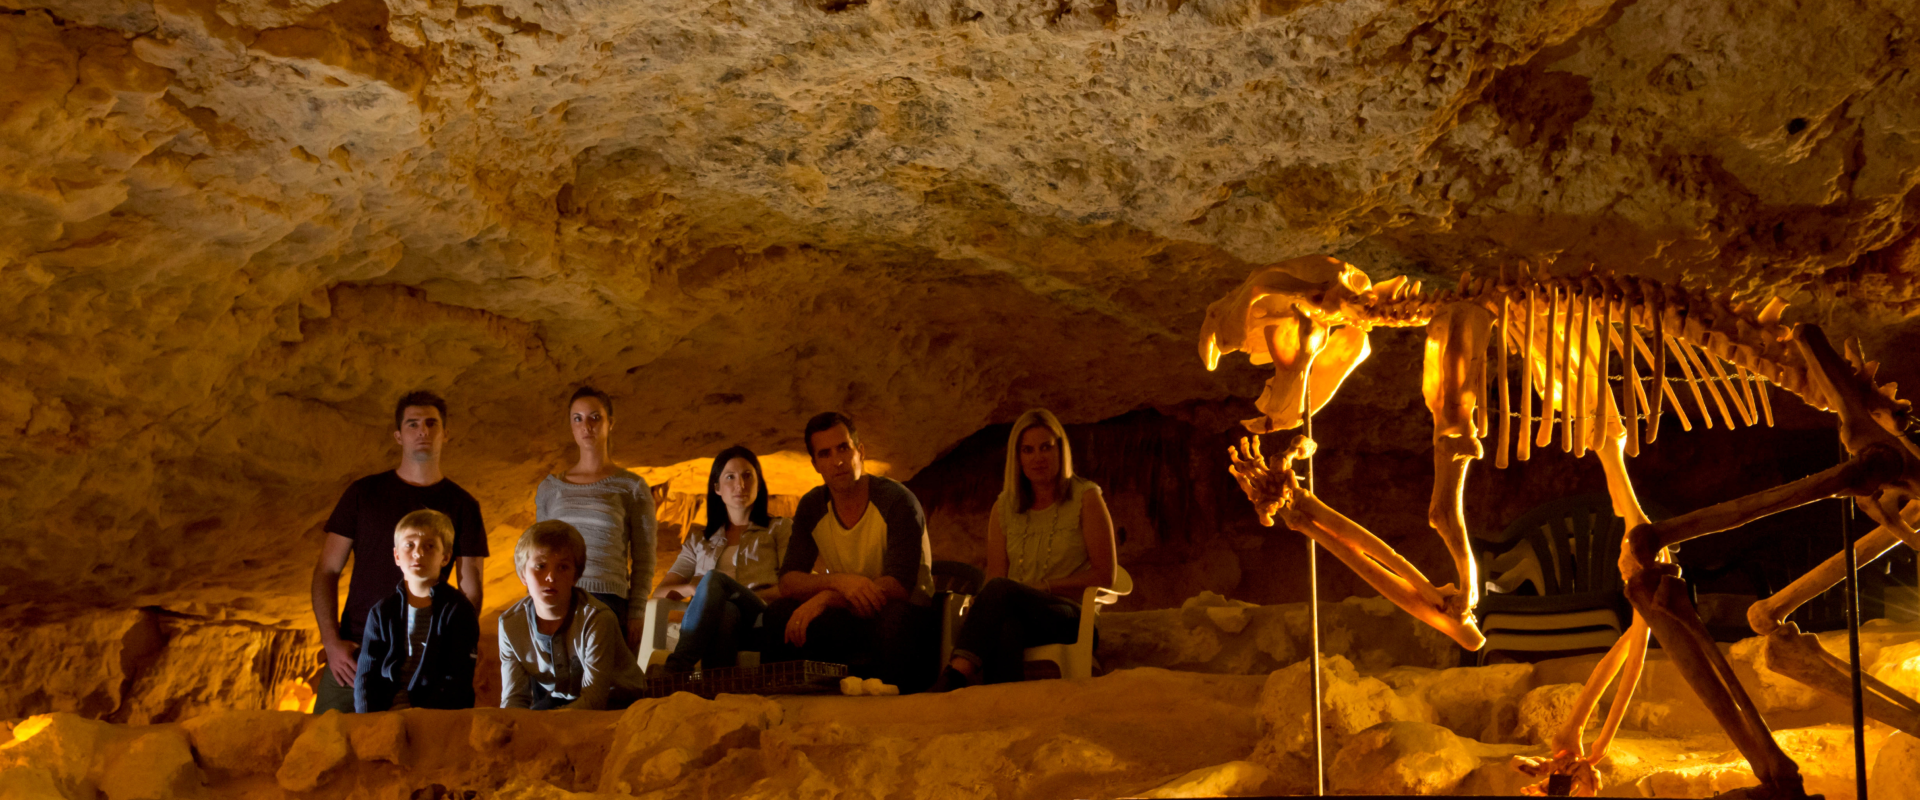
[(1577, 542), (957, 577)]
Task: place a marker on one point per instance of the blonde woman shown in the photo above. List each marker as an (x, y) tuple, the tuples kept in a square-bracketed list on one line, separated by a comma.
[(1049, 537)]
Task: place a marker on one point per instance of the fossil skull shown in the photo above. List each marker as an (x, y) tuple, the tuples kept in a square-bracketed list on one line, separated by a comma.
[(1306, 317)]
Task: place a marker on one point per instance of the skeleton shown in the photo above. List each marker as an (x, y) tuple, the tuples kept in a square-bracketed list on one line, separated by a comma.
[(1310, 317)]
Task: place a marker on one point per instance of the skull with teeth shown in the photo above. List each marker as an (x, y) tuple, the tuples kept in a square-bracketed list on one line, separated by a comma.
[(1308, 317)]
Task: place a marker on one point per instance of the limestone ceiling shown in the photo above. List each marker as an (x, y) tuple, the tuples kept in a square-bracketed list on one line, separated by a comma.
[(233, 232)]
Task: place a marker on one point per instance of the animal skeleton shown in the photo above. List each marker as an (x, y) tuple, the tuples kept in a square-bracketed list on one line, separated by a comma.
[(1310, 317)]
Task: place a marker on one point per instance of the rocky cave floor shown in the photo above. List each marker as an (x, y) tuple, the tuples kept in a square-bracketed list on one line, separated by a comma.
[(1220, 721)]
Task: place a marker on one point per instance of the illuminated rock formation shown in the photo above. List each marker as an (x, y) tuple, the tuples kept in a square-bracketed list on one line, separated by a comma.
[(233, 231), (1137, 732)]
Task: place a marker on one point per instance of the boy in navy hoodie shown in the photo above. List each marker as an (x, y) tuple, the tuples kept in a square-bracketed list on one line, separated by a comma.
[(421, 642)]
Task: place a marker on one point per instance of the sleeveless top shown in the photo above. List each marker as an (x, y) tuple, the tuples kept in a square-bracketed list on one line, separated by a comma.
[(1046, 544)]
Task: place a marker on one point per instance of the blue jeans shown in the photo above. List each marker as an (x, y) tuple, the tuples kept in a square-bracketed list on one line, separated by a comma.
[(720, 610)]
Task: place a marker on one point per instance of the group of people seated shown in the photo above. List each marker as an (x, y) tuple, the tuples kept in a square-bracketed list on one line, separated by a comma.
[(846, 580)]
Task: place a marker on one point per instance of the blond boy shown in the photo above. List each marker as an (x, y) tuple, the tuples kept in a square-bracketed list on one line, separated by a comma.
[(561, 647), (421, 642)]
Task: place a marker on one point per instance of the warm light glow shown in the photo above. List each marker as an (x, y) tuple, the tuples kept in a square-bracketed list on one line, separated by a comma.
[(31, 727), (294, 695), (788, 472)]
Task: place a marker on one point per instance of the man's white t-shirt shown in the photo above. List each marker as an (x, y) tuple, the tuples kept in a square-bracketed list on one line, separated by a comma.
[(858, 550), (888, 540)]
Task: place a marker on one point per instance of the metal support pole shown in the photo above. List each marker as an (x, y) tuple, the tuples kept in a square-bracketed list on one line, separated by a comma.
[(1852, 588), (1313, 621)]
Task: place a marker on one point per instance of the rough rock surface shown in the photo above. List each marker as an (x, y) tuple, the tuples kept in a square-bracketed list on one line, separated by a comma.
[(1137, 732), (235, 230), (1416, 758), (1210, 633)]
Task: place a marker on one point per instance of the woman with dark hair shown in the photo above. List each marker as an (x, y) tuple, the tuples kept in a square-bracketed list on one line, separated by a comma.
[(611, 507), (1049, 537), (729, 567)]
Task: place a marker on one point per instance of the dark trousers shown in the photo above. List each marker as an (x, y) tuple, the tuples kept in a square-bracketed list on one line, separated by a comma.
[(616, 604), (721, 611), (897, 645), (1009, 617), (329, 695)]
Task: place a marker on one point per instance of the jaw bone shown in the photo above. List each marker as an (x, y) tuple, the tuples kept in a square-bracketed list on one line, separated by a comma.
[(1307, 317)]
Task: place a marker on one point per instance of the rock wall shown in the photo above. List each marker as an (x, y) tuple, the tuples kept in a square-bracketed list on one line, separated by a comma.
[(233, 231), (139, 667)]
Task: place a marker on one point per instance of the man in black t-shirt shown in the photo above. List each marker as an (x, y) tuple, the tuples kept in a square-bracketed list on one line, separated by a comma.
[(362, 527)]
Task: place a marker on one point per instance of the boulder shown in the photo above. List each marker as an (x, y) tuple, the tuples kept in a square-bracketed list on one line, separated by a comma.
[(380, 736), (972, 765), (658, 741), (156, 765), (490, 729), (319, 750), (1825, 754), (236, 743), (1544, 709), (1895, 771), (1353, 703), (80, 663), (60, 748), (1477, 702), (1212, 633), (1771, 691), (1401, 758), (1225, 780)]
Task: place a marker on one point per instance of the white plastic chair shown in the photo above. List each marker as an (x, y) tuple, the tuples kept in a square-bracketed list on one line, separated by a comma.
[(662, 632), (658, 634), (1076, 660)]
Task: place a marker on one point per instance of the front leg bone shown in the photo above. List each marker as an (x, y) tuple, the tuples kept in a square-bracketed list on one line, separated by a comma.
[(1277, 493), (1452, 379)]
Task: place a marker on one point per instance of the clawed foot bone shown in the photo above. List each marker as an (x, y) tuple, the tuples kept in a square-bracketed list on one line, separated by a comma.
[(1579, 775), (1271, 488)]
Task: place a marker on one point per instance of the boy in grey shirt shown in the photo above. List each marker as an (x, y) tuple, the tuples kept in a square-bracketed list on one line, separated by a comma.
[(561, 647)]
